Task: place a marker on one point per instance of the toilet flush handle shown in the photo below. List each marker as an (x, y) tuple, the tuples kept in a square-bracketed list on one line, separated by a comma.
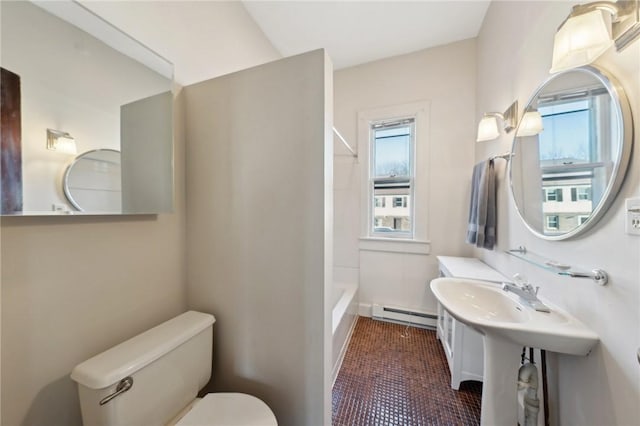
[(124, 385)]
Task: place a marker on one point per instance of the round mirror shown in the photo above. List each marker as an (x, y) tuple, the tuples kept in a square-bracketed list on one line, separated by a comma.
[(93, 182), (570, 152)]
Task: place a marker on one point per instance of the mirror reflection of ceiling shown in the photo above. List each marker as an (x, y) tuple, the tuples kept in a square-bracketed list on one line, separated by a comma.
[(564, 178), (73, 83)]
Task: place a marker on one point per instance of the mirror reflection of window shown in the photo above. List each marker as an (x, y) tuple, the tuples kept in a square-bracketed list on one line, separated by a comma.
[(567, 137), (564, 177), (552, 222), (572, 155)]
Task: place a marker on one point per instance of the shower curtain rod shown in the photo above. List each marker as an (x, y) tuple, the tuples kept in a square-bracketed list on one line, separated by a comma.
[(345, 143)]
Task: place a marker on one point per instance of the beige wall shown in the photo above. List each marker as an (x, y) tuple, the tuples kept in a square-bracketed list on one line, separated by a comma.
[(258, 230), (443, 77), (514, 57), (75, 286), (72, 287)]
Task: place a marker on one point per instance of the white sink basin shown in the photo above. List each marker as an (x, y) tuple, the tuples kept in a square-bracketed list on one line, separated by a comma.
[(508, 325), (485, 306)]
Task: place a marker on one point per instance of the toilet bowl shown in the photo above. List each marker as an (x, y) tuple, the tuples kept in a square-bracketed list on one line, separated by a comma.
[(154, 378), (226, 409)]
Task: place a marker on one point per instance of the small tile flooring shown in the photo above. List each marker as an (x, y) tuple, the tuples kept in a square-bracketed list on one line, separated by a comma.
[(388, 379)]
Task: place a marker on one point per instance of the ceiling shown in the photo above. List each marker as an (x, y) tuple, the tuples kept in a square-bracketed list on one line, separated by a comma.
[(205, 39), (355, 32)]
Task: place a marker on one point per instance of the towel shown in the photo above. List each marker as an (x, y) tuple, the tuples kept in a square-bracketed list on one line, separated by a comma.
[(481, 229)]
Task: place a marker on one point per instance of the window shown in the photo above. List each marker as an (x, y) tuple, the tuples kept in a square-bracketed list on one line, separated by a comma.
[(567, 137), (553, 194), (581, 193), (553, 222), (393, 146), (399, 201), (392, 176), (380, 201)]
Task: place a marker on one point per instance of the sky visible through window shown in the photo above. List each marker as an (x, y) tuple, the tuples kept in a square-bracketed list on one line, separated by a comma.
[(566, 132), (392, 151)]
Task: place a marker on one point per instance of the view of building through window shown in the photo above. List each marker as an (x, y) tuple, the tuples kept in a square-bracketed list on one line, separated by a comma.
[(392, 176), (568, 167), (566, 206)]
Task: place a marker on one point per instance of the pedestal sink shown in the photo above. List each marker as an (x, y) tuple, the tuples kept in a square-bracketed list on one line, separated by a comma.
[(507, 325)]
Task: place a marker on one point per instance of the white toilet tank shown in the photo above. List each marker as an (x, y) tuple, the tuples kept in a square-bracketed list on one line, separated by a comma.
[(168, 364)]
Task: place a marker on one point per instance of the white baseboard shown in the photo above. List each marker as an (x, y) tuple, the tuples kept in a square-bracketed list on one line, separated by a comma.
[(364, 310)]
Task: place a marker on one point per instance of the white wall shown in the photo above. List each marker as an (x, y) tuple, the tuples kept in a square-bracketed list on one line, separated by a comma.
[(514, 56), (444, 77), (259, 207)]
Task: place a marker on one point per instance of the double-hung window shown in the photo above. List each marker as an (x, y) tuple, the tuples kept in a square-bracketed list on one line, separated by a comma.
[(391, 183), (581, 193), (553, 194), (553, 222)]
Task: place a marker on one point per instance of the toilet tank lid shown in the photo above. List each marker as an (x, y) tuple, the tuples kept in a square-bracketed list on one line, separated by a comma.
[(113, 365)]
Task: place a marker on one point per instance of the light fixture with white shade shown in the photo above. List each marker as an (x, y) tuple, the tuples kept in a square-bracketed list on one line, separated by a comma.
[(530, 124), (60, 141), (488, 128), (591, 29)]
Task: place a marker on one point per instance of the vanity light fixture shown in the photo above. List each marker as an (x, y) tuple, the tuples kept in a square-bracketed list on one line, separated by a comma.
[(60, 141), (591, 29), (488, 129), (530, 124)]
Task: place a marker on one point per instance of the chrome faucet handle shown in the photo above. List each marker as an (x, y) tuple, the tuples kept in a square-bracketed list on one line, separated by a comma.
[(531, 289), (519, 280)]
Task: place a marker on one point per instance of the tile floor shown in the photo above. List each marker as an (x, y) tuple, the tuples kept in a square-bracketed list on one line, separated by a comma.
[(388, 379)]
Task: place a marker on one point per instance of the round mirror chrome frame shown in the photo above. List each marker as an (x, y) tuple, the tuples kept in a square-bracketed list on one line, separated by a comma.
[(623, 113), (65, 178)]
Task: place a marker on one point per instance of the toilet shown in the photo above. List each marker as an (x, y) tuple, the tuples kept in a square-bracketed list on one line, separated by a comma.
[(154, 378)]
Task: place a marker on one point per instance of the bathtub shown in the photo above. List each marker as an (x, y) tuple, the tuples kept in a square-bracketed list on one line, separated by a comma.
[(344, 315)]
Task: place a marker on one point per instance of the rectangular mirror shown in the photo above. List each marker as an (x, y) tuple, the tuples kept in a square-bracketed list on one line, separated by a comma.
[(86, 115)]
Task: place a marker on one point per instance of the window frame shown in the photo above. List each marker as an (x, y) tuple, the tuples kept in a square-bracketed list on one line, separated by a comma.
[(418, 243), (375, 125)]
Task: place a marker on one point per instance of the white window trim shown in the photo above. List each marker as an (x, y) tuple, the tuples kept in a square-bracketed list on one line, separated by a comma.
[(403, 235), (420, 111)]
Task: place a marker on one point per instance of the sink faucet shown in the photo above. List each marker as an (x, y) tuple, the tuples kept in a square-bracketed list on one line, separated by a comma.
[(526, 292)]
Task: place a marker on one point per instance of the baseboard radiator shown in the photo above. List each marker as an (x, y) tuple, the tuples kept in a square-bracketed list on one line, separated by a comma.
[(404, 315)]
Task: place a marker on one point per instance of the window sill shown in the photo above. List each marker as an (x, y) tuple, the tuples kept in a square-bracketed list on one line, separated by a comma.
[(395, 245)]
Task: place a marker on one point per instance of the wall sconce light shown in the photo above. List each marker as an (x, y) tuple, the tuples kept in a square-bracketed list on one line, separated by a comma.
[(488, 129), (60, 141), (590, 29), (531, 124)]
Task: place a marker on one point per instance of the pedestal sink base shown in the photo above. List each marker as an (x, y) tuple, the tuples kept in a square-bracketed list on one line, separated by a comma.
[(499, 391), (507, 326)]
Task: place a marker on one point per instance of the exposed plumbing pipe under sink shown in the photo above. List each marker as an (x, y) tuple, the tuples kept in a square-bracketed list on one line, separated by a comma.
[(528, 391)]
